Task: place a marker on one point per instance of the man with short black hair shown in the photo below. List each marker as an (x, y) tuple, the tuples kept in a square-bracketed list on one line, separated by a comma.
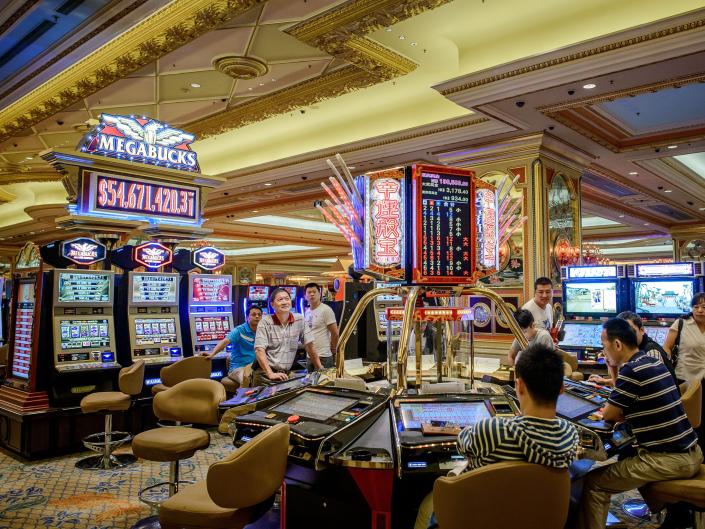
[(540, 304), (320, 320), (533, 333), (646, 397)]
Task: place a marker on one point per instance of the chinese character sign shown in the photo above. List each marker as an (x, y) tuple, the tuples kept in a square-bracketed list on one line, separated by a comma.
[(486, 228), (384, 224)]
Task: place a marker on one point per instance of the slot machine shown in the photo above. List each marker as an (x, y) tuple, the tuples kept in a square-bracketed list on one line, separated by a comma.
[(591, 294), (257, 296), (377, 328), (297, 297)]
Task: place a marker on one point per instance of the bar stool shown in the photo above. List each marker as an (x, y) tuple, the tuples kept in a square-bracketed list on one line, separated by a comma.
[(130, 381), (184, 369), (195, 401)]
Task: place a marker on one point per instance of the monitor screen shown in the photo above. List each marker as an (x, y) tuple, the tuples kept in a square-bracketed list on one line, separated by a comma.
[(90, 288), (83, 334), (154, 288), (24, 324), (581, 335), (211, 289), (387, 297), (586, 272), (663, 298), (151, 331), (591, 298), (657, 333), (460, 414), (258, 293), (572, 407), (211, 328), (315, 405), (664, 270), (292, 292)]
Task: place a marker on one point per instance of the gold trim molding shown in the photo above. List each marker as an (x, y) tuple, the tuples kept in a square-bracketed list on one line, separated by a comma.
[(26, 177)]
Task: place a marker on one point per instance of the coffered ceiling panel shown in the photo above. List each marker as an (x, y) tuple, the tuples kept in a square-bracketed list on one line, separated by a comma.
[(291, 10), (63, 121), (178, 113), (130, 91), (180, 86), (280, 76), (26, 143), (138, 110), (271, 44)]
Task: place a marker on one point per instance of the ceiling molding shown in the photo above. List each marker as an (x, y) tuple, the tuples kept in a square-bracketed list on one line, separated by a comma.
[(155, 36), (17, 15), (23, 177)]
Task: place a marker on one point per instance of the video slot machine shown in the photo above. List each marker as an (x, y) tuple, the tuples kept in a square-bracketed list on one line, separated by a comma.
[(590, 294), (83, 333), (661, 292), (297, 297), (381, 303), (257, 296)]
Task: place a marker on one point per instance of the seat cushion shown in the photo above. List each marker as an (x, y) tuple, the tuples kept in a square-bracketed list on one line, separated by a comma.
[(169, 444), (158, 388), (192, 507), (105, 401), (662, 493)]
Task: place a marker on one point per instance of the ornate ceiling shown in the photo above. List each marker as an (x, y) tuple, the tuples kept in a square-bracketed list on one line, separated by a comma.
[(274, 87)]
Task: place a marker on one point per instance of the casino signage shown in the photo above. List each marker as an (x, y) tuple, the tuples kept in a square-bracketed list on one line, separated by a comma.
[(208, 258), (83, 251), (141, 140), (152, 255)]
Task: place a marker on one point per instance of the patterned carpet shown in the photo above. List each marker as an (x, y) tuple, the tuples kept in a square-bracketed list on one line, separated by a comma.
[(54, 494)]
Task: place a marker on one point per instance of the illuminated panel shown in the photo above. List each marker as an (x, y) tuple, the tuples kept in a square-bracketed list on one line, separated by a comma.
[(132, 198), (82, 334), (384, 222), (152, 255), (443, 219), (154, 288), (24, 323), (211, 328), (154, 331), (80, 287), (584, 272), (665, 270), (211, 289), (486, 226)]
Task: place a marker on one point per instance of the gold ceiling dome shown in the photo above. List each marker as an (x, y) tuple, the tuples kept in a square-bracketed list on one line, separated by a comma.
[(240, 67)]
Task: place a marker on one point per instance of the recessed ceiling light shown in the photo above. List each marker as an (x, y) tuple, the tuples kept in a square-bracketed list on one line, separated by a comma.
[(388, 30), (195, 85), (414, 43), (255, 211), (673, 146), (633, 173), (668, 190), (402, 37), (261, 84), (647, 224), (29, 158), (268, 183), (701, 209), (250, 88), (621, 216), (589, 86), (274, 80)]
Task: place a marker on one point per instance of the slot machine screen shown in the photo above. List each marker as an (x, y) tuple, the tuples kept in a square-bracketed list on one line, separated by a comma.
[(598, 299), (315, 405), (461, 414), (663, 298), (657, 333), (581, 335), (155, 331), (258, 293), (389, 298), (211, 328), (153, 289), (292, 293), (211, 289), (78, 288), (24, 324), (75, 335), (572, 407)]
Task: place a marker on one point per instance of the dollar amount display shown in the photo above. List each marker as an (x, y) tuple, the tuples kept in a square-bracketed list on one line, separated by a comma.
[(445, 225), (131, 196)]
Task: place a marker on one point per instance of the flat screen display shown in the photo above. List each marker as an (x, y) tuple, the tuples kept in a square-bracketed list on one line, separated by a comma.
[(387, 297), (211, 328), (581, 335), (663, 298), (83, 334), (583, 272), (571, 407), (83, 288), (291, 291), (151, 331), (657, 333), (591, 298), (315, 405), (258, 293), (460, 414), (24, 324), (664, 270), (211, 289), (154, 288)]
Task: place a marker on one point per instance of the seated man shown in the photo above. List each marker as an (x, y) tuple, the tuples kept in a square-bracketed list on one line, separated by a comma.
[(647, 398), (536, 436), (532, 332)]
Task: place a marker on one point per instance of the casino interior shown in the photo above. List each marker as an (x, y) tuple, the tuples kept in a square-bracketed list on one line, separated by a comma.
[(166, 165)]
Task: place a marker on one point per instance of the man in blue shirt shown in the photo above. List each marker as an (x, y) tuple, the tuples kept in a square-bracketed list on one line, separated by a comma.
[(243, 339), (646, 397)]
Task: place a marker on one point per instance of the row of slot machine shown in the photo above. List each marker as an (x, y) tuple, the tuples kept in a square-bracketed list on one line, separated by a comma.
[(247, 296), (74, 328), (658, 292)]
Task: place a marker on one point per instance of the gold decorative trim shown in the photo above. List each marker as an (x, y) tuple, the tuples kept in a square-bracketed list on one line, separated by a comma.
[(155, 36), (25, 177), (625, 43)]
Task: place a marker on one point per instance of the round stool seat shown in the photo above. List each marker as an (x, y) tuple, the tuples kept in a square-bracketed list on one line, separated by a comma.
[(690, 491), (105, 401), (158, 388), (169, 444)]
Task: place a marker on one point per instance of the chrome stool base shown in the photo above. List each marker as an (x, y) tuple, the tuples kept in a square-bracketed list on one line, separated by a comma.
[(173, 488), (98, 462), (105, 443), (151, 522), (636, 508)]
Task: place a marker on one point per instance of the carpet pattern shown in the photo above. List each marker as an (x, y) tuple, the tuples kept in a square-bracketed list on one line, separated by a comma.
[(54, 494)]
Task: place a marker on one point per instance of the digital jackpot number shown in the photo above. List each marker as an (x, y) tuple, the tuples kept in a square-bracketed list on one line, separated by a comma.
[(147, 198)]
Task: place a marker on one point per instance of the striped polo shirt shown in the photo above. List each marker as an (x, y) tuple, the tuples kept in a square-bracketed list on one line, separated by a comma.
[(651, 403), (280, 340), (550, 442)]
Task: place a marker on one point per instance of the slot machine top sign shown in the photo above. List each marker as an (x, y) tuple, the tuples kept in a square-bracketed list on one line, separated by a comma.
[(152, 255), (83, 251), (208, 258)]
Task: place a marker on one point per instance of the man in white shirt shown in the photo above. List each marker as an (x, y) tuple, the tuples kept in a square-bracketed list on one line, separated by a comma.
[(320, 322), (540, 305)]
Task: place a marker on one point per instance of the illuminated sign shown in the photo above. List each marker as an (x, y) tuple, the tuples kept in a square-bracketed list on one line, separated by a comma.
[(580, 272), (152, 255), (384, 223), (83, 251), (486, 227), (142, 140), (665, 270), (208, 258)]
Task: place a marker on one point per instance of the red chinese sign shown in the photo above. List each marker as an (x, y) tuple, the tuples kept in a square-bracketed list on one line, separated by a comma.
[(384, 226)]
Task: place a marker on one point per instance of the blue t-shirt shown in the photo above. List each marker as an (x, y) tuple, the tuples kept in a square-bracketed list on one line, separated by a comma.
[(242, 338)]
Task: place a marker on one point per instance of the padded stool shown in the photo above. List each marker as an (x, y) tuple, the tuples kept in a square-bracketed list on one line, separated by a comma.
[(130, 381), (184, 369), (195, 401), (690, 492)]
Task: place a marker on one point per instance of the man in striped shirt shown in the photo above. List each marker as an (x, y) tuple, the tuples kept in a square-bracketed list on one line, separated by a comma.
[(537, 436), (646, 397)]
